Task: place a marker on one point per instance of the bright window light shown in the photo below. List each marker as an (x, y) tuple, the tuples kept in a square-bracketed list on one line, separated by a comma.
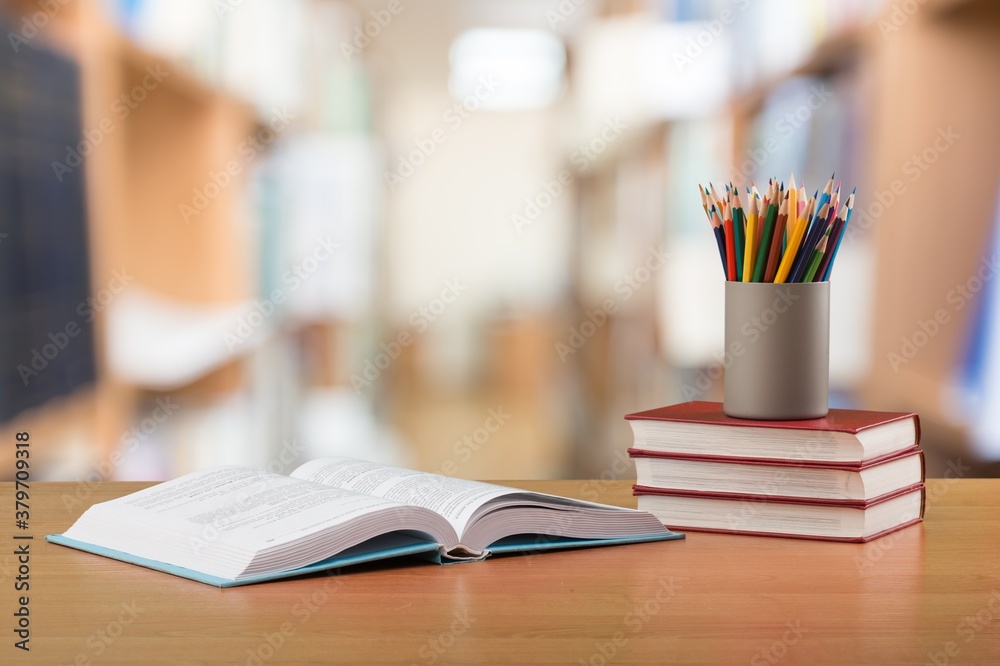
[(507, 69)]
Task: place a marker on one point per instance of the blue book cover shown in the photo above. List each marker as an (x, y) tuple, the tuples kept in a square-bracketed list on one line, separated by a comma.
[(380, 548)]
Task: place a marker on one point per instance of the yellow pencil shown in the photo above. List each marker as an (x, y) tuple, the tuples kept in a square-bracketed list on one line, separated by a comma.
[(751, 234), (793, 246)]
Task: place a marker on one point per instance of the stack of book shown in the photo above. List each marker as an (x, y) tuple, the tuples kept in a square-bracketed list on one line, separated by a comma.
[(850, 476)]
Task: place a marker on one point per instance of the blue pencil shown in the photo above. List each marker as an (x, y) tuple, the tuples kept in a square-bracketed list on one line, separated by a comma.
[(840, 238)]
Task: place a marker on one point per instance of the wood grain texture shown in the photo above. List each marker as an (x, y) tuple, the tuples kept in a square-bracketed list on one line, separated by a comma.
[(709, 599)]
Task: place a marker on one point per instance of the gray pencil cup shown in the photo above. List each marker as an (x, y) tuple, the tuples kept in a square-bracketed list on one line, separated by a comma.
[(777, 350)]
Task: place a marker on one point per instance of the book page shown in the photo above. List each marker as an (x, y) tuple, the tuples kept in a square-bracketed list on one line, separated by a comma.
[(234, 506), (455, 499)]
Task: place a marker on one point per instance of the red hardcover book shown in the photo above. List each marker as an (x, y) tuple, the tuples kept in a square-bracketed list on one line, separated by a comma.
[(794, 517), (778, 478), (702, 429)]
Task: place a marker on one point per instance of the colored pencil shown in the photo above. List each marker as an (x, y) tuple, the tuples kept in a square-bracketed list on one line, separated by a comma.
[(730, 249), (720, 238), (835, 230), (827, 191), (761, 217), (814, 230), (793, 207), (721, 229), (779, 235), (715, 196), (840, 236), (740, 233), (799, 271), (751, 244), (816, 258), (788, 258), (760, 264)]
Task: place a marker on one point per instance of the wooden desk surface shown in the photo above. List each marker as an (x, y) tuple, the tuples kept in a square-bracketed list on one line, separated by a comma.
[(929, 594)]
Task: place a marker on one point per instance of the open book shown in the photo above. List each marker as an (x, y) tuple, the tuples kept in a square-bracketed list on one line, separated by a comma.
[(234, 525)]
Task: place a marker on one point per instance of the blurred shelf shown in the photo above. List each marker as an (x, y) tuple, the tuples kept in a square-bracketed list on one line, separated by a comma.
[(163, 345), (162, 148), (946, 7), (831, 55), (136, 59)]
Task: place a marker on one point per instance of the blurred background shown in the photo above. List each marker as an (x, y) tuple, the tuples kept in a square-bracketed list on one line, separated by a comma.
[(465, 236)]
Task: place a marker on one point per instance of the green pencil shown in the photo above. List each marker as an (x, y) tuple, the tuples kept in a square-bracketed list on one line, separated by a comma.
[(816, 258), (765, 240)]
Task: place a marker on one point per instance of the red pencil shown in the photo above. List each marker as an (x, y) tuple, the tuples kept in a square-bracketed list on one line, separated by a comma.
[(730, 248)]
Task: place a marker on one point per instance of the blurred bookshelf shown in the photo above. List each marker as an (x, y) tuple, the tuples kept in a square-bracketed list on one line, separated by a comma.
[(188, 148), (146, 158)]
